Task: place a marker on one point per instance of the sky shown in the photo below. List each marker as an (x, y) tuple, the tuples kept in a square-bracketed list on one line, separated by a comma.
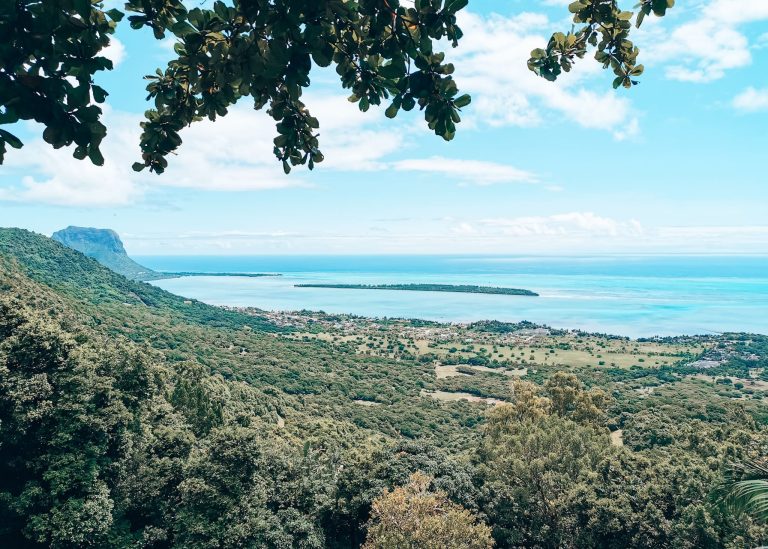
[(674, 165)]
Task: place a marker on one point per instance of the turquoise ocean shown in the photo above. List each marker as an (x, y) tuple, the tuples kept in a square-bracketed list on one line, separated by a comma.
[(637, 296)]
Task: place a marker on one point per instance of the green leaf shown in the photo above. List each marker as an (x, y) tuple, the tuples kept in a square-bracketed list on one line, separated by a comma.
[(78, 96), (95, 155), (452, 6), (462, 101), (11, 139), (115, 14), (182, 29), (80, 152), (392, 70), (99, 94)]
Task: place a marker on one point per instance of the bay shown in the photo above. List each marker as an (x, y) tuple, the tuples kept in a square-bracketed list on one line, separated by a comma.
[(636, 296)]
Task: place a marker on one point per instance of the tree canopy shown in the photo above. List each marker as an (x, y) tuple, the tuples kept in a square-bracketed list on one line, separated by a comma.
[(382, 51), (130, 417)]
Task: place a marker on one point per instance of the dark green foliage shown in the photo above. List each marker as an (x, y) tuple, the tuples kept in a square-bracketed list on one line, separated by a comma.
[(266, 50), (262, 50), (554, 480), (745, 489), (49, 52), (383, 52), (68, 413), (605, 27), (498, 327), (243, 489), (386, 467)]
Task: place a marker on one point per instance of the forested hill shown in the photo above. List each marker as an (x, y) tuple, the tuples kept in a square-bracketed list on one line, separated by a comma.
[(84, 279), (130, 417)]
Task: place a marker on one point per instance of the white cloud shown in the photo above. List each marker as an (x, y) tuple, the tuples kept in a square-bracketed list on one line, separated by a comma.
[(52, 176), (232, 154), (115, 52), (572, 232), (703, 49), (751, 100), (737, 11), (573, 224), (629, 131), (464, 228), (468, 171), (491, 65), (751, 231), (710, 239)]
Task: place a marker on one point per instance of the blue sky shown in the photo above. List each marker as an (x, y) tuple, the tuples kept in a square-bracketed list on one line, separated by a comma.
[(675, 165)]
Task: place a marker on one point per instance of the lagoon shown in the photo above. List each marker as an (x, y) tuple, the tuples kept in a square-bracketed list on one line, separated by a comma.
[(636, 296)]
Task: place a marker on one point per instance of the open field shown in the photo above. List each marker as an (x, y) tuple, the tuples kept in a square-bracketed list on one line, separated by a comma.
[(746, 382), (565, 350), (449, 396)]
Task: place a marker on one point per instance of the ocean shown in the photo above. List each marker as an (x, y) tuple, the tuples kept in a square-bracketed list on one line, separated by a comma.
[(635, 296)]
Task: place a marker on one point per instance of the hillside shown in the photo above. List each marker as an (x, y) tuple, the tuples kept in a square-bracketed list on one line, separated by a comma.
[(105, 246), (130, 417), (86, 281)]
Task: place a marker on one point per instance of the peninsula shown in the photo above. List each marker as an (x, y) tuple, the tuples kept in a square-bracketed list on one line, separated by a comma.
[(105, 246), (454, 288), (167, 274)]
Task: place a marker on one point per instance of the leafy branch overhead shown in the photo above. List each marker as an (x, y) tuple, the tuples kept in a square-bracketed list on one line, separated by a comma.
[(382, 50), (605, 27), (265, 49)]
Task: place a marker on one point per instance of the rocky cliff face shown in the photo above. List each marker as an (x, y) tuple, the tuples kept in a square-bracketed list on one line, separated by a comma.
[(90, 241), (105, 246)]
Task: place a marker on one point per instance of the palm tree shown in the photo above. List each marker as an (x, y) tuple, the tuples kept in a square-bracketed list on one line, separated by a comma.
[(745, 490)]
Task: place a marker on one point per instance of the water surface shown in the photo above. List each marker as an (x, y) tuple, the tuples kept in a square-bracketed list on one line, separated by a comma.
[(633, 296)]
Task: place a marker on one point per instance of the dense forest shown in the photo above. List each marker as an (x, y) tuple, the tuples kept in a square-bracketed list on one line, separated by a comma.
[(130, 417)]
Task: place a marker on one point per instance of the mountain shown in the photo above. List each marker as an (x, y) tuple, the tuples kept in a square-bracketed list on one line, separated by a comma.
[(105, 246)]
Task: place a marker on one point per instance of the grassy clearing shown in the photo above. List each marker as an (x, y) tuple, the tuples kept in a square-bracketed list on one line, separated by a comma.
[(563, 350), (449, 396)]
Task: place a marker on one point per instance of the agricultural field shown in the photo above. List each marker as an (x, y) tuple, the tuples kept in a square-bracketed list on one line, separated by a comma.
[(456, 343)]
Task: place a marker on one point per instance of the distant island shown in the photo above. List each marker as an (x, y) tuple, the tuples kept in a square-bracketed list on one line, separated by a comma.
[(454, 288)]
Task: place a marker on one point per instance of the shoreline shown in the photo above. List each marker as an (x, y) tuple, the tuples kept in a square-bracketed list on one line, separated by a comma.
[(287, 317)]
